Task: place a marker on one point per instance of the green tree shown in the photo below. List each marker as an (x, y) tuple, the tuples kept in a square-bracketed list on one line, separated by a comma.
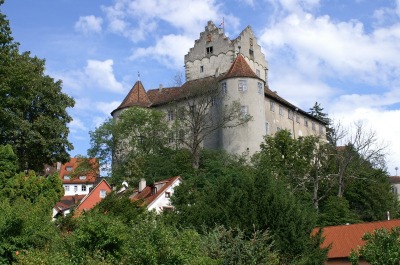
[(8, 164), (318, 112), (33, 116), (382, 248)]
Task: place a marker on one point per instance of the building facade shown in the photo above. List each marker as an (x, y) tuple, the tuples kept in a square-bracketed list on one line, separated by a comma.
[(240, 70)]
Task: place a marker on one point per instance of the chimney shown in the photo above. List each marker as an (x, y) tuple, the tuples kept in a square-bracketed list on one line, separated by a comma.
[(58, 166), (142, 184)]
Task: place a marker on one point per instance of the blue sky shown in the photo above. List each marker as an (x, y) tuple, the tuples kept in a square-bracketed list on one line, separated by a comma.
[(343, 54)]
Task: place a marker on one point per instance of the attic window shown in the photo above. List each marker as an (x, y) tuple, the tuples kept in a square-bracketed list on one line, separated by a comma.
[(67, 177), (209, 50), (167, 194), (69, 168), (103, 193), (82, 177)]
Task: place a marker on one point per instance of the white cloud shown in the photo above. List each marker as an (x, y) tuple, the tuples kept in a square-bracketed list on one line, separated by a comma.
[(101, 75), (107, 107), (169, 50), (137, 19), (76, 125), (89, 24)]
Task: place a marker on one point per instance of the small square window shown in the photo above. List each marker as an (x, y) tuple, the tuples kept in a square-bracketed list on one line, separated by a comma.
[(67, 177), (103, 193), (82, 177), (83, 188), (242, 85), (272, 106), (244, 111), (170, 115), (209, 50), (260, 88), (224, 88), (290, 114), (280, 110), (201, 69), (167, 194)]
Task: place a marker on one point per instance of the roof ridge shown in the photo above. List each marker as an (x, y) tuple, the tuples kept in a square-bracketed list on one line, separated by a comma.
[(137, 96), (240, 68)]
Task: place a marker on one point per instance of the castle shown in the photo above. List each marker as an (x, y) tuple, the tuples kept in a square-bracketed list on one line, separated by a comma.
[(240, 69)]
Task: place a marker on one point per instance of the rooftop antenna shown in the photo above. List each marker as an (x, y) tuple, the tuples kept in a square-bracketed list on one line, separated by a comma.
[(396, 168), (138, 76)]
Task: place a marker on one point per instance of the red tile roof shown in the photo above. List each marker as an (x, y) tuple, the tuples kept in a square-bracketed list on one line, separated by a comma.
[(91, 175), (394, 179), (240, 68), (147, 194), (93, 197), (344, 238), (136, 97)]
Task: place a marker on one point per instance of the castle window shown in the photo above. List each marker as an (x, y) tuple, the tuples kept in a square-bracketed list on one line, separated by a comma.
[(258, 72), (290, 114), (305, 122), (213, 101), (260, 88), (313, 126), (298, 118), (272, 106), (171, 138), (224, 88), (201, 69), (242, 85), (321, 129), (209, 37), (170, 115), (83, 187), (251, 53), (209, 50), (244, 111), (266, 128), (251, 42), (280, 110)]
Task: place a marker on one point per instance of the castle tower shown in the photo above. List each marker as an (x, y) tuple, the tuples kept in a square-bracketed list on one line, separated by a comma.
[(213, 54), (244, 85)]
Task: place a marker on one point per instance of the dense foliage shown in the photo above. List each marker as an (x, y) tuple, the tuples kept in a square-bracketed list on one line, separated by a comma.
[(33, 116)]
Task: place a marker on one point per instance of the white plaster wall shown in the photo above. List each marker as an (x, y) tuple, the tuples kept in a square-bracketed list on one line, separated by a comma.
[(162, 201), (79, 189)]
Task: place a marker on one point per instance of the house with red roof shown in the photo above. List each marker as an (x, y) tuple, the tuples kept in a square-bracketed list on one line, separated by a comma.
[(78, 183), (344, 238), (238, 70), (157, 195), (97, 194)]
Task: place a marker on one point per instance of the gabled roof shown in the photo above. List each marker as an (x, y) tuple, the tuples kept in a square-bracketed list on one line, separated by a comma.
[(73, 164), (68, 202), (148, 195), (93, 197), (344, 238), (240, 68), (136, 97)]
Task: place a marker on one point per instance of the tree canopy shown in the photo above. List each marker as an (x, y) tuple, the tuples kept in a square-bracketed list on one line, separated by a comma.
[(33, 115)]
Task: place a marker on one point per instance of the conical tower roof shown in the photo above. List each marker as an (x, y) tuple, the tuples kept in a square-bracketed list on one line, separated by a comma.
[(137, 96), (240, 68)]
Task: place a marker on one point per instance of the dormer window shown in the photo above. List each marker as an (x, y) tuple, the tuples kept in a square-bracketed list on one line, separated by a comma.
[(69, 168), (82, 177), (67, 177), (209, 50)]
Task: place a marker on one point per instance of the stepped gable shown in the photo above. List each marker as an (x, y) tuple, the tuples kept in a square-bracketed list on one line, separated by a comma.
[(136, 97), (240, 68)]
